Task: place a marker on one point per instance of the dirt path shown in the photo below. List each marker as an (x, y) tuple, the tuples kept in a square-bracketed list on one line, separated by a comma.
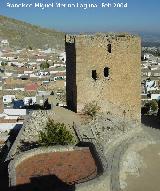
[(149, 179)]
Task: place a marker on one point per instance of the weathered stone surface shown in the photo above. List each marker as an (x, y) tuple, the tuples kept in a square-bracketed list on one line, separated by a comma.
[(120, 91)]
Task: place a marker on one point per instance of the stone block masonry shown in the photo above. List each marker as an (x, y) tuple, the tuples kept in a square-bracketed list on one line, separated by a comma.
[(104, 68)]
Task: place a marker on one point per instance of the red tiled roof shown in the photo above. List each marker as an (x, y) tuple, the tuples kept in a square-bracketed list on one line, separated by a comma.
[(60, 74), (31, 87)]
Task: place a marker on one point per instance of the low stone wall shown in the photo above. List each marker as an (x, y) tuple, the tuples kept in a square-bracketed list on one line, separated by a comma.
[(101, 181), (3, 120), (42, 150), (101, 177), (28, 135), (16, 143)]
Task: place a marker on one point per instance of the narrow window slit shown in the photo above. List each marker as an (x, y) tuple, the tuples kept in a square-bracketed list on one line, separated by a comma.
[(94, 74), (106, 72), (109, 46)]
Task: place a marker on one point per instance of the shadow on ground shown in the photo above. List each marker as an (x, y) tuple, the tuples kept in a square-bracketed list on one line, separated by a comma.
[(4, 176), (151, 121), (42, 183)]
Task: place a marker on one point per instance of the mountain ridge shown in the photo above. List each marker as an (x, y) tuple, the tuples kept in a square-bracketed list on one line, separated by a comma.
[(21, 34)]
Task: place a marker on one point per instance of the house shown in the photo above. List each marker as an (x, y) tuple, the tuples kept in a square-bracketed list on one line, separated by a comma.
[(151, 85), (43, 73), (28, 71), (8, 73), (144, 97), (31, 87), (62, 57), (18, 104), (17, 64), (29, 100), (1, 84), (15, 112), (8, 99), (60, 76), (146, 72), (146, 56), (7, 87), (8, 126), (155, 67), (24, 77), (4, 43), (156, 73), (155, 96), (43, 93)]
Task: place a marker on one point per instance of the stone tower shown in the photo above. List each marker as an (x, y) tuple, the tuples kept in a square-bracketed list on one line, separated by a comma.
[(106, 69), (1, 105)]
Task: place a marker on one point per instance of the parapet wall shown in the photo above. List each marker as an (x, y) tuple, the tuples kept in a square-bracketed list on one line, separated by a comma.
[(44, 150), (25, 155)]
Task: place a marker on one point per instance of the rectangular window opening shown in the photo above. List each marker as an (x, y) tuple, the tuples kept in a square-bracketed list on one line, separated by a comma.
[(94, 74), (109, 48), (106, 72)]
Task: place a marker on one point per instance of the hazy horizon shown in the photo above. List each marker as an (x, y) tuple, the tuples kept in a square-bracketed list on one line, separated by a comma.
[(139, 16)]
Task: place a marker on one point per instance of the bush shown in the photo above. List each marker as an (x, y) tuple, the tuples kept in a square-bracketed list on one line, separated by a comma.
[(154, 105), (55, 134), (44, 65), (91, 109)]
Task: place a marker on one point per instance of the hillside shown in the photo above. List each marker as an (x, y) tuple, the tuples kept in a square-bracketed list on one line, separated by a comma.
[(150, 39), (21, 34)]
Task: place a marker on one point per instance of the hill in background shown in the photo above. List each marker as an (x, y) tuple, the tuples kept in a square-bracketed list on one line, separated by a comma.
[(22, 35)]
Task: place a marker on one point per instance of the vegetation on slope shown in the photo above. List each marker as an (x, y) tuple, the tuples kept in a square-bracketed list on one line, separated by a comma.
[(23, 35)]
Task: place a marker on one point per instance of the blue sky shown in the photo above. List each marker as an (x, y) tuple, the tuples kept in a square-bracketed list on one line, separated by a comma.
[(139, 16)]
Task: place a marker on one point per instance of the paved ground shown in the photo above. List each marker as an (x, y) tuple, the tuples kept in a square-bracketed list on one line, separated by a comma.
[(114, 157), (149, 176), (68, 167)]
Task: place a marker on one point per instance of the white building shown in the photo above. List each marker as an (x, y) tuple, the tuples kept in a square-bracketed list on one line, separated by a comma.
[(151, 85), (62, 57), (8, 99), (155, 96), (146, 56), (9, 126), (15, 112), (29, 100), (4, 43)]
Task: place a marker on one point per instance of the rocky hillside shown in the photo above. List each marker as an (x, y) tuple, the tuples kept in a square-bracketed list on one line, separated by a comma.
[(21, 34)]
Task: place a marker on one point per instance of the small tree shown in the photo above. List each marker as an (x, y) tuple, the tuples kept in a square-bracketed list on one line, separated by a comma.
[(3, 64), (91, 109), (45, 65), (46, 105), (55, 134), (30, 48), (153, 105)]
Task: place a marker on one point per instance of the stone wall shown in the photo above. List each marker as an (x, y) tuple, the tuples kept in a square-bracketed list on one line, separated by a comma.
[(118, 92), (35, 122), (21, 157), (71, 89), (42, 150), (29, 133)]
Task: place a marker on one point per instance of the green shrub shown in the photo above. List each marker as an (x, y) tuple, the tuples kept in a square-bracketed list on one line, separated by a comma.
[(153, 105), (91, 109), (44, 65), (55, 134)]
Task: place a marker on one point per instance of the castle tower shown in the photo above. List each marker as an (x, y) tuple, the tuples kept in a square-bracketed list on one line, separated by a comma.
[(1, 105), (104, 68)]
